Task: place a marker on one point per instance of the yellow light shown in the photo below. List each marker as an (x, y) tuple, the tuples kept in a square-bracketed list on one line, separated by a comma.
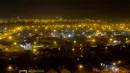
[(80, 66), (14, 30), (81, 45), (10, 37), (110, 39), (32, 26), (127, 41), (80, 48), (89, 36), (64, 37), (54, 30), (73, 49), (19, 28), (114, 63), (46, 28), (5, 34), (35, 43), (123, 46), (119, 62), (90, 28), (6, 49), (54, 42), (15, 43), (34, 50), (74, 41), (126, 38), (10, 68), (28, 28), (58, 48), (35, 30), (93, 40), (72, 30), (5, 28)]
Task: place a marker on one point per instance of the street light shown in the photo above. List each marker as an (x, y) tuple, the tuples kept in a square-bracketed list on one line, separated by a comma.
[(54, 42), (73, 49), (93, 40), (54, 30), (110, 39), (89, 36), (59, 49), (34, 50), (10, 68), (34, 43), (74, 41), (80, 66), (10, 37), (114, 63), (119, 62), (126, 38), (15, 43), (6, 49), (35, 30)]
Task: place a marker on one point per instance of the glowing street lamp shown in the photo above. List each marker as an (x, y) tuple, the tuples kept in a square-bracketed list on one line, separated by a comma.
[(54, 42), (126, 38), (5, 34), (10, 68), (59, 49), (6, 49), (32, 26), (34, 50), (10, 37), (15, 43), (119, 62), (14, 30), (54, 30), (73, 49), (81, 45), (110, 39), (89, 36), (93, 40), (35, 30), (74, 41), (35, 43), (114, 63), (64, 37), (80, 66)]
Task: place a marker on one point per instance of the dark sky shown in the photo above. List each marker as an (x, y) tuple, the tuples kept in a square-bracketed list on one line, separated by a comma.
[(65, 8)]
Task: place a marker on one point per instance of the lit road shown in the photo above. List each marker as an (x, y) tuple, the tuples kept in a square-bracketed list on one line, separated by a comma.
[(10, 32)]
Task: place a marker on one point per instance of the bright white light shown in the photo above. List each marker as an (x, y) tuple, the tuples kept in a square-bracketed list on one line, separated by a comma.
[(83, 33), (27, 46), (70, 35), (101, 64), (115, 41), (112, 68)]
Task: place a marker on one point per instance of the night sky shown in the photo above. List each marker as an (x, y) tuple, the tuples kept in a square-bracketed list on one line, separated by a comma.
[(65, 8)]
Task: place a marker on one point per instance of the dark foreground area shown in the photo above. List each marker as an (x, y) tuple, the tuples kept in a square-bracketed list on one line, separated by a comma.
[(90, 59)]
